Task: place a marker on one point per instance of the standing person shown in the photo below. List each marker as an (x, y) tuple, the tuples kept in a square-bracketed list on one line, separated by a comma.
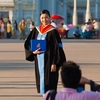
[(15, 26), (53, 23), (61, 29), (46, 63), (9, 29), (22, 28), (31, 25), (71, 76), (66, 30), (96, 28), (6, 22), (2, 29)]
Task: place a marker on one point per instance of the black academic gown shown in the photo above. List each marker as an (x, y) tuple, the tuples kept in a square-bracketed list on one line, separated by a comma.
[(53, 55)]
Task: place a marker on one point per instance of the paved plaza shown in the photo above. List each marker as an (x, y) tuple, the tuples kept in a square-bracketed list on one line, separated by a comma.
[(17, 78)]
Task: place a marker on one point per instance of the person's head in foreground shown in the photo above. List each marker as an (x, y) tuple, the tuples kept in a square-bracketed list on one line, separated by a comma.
[(70, 75)]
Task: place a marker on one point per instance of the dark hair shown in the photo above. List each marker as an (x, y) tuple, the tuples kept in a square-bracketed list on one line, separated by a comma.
[(62, 23), (9, 21), (70, 74), (32, 22), (45, 12), (89, 19), (77, 27), (1, 19), (15, 22)]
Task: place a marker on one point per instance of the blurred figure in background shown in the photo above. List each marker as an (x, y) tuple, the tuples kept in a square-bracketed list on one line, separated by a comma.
[(2, 29), (86, 31), (66, 30), (31, 25), (15, 28), (61, 29), (53, 24), (22, 28), (96, 28), (9, 30), (77, 33)]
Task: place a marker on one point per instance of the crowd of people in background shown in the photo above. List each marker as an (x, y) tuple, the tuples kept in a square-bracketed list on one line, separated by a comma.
[(14, 29), (90, 29), (8, 29)]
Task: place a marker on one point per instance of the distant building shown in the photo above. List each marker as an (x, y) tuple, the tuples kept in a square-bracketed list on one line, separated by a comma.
[(17, 9), (30, 9)]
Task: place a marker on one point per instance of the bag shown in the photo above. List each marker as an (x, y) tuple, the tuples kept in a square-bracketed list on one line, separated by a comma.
[(51, 95)]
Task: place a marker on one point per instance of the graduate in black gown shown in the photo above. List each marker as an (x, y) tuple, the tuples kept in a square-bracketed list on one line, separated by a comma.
[(47, 63)]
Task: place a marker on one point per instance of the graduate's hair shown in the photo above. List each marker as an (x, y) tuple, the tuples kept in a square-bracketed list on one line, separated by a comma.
[(70, 74), (45, 12)]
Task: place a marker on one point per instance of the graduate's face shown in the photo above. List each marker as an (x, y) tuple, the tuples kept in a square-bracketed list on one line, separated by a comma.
[(45, 19)]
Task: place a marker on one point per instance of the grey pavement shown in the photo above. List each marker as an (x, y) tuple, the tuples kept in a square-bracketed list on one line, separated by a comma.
[(17, 78)]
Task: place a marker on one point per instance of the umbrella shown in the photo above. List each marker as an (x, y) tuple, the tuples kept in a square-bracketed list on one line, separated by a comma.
[(70, 26), (56, 17)]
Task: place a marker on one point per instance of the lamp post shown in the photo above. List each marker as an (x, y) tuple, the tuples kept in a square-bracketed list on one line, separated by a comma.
[(88, 14), (75, 14), (96, 9)]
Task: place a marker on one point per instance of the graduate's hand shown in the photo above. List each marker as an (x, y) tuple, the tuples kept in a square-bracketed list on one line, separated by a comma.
[(38, 51), (53, 68)]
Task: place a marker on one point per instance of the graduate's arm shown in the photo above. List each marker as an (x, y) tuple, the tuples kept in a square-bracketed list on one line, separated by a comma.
[(29, 55), (61, 58), (55, 47)]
